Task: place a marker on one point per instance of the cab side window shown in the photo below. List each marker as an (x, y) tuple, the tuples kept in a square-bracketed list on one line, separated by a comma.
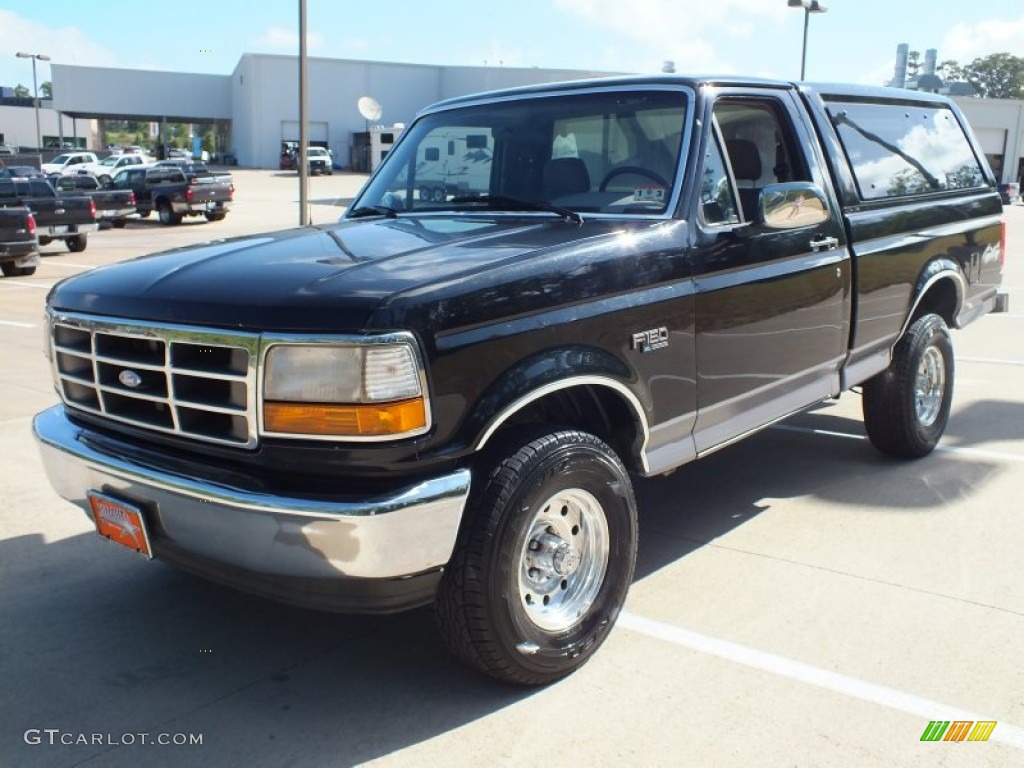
[(760, 147)]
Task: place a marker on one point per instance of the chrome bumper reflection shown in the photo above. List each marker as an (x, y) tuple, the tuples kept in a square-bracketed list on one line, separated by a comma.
[(408, 532)]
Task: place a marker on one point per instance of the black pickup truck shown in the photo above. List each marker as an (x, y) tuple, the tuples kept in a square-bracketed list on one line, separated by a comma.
[(19, 246), (112, 205), (173, 193), (58, 217), (443, 400)]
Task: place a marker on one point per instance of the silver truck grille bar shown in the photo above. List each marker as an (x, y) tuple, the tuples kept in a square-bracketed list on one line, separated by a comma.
[(193, 382)]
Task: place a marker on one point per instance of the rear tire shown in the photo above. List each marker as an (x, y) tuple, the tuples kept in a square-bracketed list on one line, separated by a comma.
[(118, 223), (215, 216), (10, 270), (906, 407), (544, 560), (76, 243), (167, 215)]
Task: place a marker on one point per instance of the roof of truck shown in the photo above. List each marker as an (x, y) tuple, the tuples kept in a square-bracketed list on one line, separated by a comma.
[(700, 81)]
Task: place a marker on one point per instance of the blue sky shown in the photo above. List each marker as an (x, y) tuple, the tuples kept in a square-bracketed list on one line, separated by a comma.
[(855, 41)]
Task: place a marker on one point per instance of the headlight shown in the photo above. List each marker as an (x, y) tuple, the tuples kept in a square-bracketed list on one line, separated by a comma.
[(368, 391)]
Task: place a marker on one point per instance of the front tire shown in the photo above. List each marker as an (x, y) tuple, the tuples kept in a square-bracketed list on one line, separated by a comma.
[(544, 562), (906, 407)]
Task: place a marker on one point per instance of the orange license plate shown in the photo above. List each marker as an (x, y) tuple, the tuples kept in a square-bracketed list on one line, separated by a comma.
[(120, 522)]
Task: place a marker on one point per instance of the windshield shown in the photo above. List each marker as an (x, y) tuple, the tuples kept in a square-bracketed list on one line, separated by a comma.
[(109, 160), (60, 159), (606, 152)]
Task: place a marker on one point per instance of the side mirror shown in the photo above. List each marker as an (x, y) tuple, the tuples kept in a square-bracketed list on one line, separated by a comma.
[(792, 205)]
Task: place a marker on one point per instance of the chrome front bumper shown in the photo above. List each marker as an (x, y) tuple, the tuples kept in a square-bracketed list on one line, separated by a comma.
[(238, 531)]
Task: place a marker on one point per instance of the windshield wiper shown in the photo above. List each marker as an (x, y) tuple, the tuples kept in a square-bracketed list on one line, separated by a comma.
[(372, 210), (518, 204)]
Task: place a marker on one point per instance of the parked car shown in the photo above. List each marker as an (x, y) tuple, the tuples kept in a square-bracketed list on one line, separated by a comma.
[(320, 160), (8, 150), (69, 162), (107, 168), (58, 217), (444, 401), (172, 193), (19, 246), (113, 206), (21, 171)]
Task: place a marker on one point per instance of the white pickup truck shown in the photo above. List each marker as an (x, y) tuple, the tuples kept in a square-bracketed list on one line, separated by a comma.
[(68, 162), (105, 169)]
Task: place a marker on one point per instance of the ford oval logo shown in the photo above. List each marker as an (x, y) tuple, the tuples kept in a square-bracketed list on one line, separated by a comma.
[(129, 378)]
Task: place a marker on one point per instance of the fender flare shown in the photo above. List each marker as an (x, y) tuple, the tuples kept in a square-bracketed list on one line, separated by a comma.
[(553, 371), (934, 272)]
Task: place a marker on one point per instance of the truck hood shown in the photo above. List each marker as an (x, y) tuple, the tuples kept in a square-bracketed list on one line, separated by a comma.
[(323, 278)]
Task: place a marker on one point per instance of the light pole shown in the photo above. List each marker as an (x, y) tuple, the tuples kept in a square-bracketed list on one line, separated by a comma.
[(35, 90), (303, 160), (809, 6)]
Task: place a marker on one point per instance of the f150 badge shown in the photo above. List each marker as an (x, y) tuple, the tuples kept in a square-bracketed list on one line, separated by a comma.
[(650, 340)]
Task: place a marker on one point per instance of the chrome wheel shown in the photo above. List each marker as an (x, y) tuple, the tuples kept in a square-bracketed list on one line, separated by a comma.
[(929, 386), (563, 560)]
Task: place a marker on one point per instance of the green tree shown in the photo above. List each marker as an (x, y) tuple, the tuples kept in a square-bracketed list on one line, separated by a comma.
[(996, 76), (46, 89), (913, 64), (21, 91), (949, 70)]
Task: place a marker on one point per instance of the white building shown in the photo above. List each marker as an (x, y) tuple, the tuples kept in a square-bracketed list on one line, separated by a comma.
[(255, 108), (18, 127), (999, 126)]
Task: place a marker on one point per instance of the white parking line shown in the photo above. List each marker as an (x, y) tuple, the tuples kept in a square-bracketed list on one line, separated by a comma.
[(12, 284), (70, 264), (926, 709), (14, 324), (989, 361), (976, 452)]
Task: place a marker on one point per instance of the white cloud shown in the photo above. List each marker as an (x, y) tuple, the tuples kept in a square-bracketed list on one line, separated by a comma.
[(966, 42), (666, 31), (287, 39), (64, 45)]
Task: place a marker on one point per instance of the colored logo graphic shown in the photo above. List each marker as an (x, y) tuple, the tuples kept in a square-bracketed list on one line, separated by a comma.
[(958, 730)]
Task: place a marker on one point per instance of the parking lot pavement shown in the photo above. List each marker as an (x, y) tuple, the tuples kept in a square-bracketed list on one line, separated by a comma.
[(799, 600)]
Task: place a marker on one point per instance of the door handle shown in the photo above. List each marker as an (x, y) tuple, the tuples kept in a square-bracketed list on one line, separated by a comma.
[(828, 243)]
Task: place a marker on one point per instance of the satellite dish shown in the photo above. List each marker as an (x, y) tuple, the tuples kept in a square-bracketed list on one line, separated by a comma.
[(369, 108)]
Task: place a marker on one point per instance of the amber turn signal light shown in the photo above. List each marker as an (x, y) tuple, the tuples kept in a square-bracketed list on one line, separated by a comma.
[(371, 420)]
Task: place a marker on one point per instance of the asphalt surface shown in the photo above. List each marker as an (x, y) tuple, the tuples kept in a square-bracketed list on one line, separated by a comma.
[(800, 600)]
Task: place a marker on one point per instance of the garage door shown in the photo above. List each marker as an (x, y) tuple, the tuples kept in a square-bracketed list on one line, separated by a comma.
[(992, 140), (290, 131)]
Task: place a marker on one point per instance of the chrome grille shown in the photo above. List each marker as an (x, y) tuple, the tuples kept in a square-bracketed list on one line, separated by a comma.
[(180, 380)]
